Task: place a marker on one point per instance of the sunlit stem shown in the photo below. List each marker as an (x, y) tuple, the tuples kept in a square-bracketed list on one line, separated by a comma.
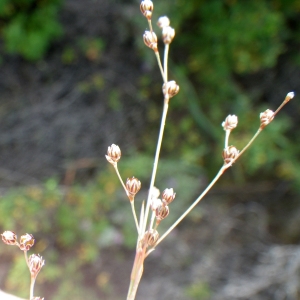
[(155, 164), (166, 55), (150, 25), (137, 272), (32, 282), (131, 202), (160, 66), (227, 133), (221, 171)]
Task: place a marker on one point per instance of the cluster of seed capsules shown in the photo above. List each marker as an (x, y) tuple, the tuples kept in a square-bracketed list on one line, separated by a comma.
[(34, 262)]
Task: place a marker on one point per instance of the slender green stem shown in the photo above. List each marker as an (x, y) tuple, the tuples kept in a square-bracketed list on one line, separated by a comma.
[(155, 164), (160, 66)]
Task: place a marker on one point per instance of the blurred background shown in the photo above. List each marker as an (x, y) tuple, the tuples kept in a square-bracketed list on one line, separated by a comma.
[(75, 77)]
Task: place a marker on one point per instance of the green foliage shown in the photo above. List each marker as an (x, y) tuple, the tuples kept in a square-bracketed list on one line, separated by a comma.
[(199, 291), (29, 26)]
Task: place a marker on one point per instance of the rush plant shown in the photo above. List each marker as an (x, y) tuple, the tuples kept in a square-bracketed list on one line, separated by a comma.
[(156, 207)]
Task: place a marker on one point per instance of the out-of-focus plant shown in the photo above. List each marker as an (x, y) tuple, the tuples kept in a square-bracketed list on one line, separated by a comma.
[(29, 26)]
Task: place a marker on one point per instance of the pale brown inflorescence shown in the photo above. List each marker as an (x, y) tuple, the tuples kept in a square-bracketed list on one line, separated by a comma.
[(230, 122), (150, 237), (150, 40), (113, 154), (133, 185), (147, 8), (266, 118), (163, 22), (26, 242), (9, 238), (168, 196), (168, 34), (170, 89), (161, 212), (230, 154), (35, 264)]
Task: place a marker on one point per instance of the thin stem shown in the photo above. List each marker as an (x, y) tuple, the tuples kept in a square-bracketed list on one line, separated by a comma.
[(32, 282), (158, 147), (131, 201), (166, 55), (134, 216), (160, 66), (221, 171), (249, 144), (227, 133)]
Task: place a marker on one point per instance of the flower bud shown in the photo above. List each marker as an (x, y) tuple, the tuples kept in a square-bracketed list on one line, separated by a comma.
[(170, 88), (162, 212), (168, 196), (150, 237), (163, 22), (266, 118), (168, 34), (9, 238), (35, 264), (154, 193), (147, 8), (150, 40), (113, 154), (133, 185), (26, 242), (230, 122), (229, 154)]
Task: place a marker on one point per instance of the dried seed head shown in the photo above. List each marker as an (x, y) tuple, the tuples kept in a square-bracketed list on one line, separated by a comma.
[(26, 242), (133, 185), (170, 89), (163, 22), (9, 238), (35, 264), (147, 8), (113, 154), (289, 96), (162, 212), (155, 203), (150, 40), (229, 154), (230, 122), (168, 196), (266, 118), (150, 237), (168, 34)]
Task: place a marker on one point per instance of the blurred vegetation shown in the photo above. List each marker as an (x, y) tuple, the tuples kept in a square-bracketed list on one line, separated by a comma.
[(28, 27)]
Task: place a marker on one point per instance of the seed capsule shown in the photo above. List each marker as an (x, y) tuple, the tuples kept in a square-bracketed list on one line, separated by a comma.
[(230, 122), (168, 196), (26, 242), (151, 236), (147, 8), (9, 238), (163, 22), (266, 118), (150, 40), (168, 34), (35, 263), (229, 154), (113, 154), (133, 185), (170, 88), (161, 212)]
